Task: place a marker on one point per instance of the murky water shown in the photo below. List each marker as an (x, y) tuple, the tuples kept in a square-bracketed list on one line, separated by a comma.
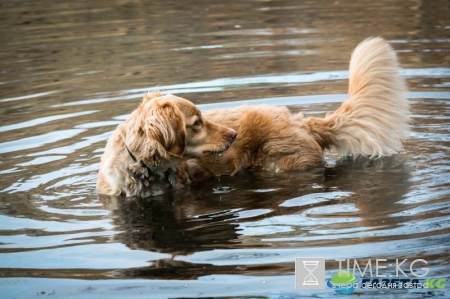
[(72, 70)]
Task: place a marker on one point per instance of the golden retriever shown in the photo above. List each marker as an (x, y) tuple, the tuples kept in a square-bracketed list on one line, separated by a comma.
[(372, 122), (158, 135)]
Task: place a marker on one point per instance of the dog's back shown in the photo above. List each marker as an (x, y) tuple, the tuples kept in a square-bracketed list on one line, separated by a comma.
[(372, 122)]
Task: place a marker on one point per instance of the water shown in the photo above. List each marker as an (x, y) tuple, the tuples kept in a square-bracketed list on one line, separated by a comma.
[(72, 70)]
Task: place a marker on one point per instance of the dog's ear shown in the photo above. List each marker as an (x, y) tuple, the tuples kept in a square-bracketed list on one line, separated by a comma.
[(151, 95), (156, 127), (166, 125), (132, 133), (177, 148)]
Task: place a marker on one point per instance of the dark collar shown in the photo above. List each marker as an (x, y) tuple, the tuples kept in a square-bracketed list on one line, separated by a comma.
[(133, 157)]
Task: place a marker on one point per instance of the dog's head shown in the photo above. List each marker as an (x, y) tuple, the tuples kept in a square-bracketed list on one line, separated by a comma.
[(173, 127)]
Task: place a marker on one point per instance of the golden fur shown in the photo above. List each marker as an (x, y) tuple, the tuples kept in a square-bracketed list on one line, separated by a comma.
[(159, 134), (372, 122)]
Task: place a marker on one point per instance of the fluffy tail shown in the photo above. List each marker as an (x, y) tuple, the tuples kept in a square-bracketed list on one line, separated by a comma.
[(374, 119)]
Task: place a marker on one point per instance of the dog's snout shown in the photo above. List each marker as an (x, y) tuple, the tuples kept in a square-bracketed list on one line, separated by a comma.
[(232, 133)]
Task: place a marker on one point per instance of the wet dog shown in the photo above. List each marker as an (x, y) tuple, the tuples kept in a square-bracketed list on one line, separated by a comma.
[(162, 132), (372, 122)]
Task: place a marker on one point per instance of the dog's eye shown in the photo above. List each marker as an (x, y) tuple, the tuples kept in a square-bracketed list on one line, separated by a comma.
[(198, 122)]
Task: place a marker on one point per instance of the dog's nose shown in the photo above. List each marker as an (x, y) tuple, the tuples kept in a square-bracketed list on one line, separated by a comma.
[(232, 133)]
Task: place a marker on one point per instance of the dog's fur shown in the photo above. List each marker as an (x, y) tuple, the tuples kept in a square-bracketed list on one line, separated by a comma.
[(372, 122), (157, 136)]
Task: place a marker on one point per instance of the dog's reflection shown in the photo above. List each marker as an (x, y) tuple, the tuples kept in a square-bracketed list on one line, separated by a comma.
[(207, 216), (170, 223), (376, 186)]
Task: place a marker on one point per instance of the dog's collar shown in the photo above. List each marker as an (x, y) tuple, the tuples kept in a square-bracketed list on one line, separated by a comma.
[(133, 157)]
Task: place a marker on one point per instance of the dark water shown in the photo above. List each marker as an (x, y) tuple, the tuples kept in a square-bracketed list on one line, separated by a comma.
[(72, 70)]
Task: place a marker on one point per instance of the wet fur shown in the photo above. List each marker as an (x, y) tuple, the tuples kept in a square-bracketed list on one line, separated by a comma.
[(160, 133), (372, 122)]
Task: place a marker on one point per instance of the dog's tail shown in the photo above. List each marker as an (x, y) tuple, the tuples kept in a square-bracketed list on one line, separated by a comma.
[(375, 118)]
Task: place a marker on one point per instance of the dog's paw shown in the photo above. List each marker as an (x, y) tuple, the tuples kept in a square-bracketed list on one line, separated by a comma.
[(138, 170), (179, 178)]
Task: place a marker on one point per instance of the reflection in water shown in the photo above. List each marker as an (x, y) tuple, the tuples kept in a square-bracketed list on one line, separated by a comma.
[(191, 221), (380, 185), (73, 70), (165, 224)]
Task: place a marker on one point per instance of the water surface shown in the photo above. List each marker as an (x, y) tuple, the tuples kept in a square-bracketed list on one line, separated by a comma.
[(71, 71)]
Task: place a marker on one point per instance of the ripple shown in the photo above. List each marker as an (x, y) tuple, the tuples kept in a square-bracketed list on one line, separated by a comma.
[(314, 198), (43, 120), (38, 141), (218, 85), (31, 96)]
